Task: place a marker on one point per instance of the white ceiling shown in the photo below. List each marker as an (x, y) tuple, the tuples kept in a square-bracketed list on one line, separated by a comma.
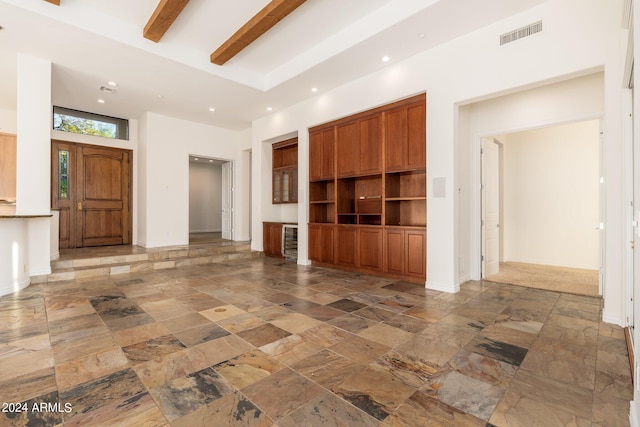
[(323, 44)]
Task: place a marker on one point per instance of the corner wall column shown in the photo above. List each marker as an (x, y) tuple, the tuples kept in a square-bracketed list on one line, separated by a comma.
[(33, 167)]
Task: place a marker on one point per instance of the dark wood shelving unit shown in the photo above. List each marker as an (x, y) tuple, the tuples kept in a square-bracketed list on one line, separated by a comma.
[(367, 191)]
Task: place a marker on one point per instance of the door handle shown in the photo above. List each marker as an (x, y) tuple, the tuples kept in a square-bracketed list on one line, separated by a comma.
[(79, 206)]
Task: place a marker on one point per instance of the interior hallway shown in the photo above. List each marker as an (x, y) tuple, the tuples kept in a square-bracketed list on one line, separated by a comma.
[(258, 342), (562, 279)]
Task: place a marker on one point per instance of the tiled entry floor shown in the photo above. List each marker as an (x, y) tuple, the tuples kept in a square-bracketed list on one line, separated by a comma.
[(258, 342)]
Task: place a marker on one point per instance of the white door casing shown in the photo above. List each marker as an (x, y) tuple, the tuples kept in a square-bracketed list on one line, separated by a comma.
[(227, 200)]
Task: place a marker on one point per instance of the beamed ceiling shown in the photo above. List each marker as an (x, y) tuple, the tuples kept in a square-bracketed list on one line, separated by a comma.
[(184, 57)]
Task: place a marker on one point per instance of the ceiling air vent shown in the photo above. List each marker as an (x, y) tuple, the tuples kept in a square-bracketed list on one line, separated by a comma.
[(520, 33)]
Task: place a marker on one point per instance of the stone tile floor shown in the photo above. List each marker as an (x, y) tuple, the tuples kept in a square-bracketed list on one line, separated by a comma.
[(260, 342)]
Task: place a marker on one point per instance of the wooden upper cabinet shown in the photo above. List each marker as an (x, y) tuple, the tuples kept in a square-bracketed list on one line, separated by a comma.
[(370, 144), (321, 154), (417, 136), (405, 133), (359, 146), (348, 149)]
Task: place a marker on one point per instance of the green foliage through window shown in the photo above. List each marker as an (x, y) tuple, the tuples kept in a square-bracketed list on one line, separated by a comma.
[(82, 122), (83, 126)]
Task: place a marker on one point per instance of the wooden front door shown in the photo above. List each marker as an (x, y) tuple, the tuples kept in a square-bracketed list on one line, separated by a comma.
[(91, 187)]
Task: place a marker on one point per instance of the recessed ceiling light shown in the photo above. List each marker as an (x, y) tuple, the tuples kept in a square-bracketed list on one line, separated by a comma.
[(112, 83), (160, 96), (385, 58), (101, 101), (421, 35), (212, 109), (314, 89), (269, 109), (210, 161), (195, 158)]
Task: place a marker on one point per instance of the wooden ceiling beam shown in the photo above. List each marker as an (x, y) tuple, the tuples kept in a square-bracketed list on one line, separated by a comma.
[(165, 14), (56, 2), (262, 22)]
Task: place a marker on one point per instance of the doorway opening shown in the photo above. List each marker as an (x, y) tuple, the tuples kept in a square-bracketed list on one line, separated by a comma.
[(540, 210), (210, 199)]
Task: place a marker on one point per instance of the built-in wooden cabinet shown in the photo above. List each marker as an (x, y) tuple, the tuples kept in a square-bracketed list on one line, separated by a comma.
[(405, 251), (368, 205), (285, 171), (272, 238)]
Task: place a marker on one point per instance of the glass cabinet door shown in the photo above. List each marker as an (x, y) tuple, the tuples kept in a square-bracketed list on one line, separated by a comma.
[(277, 185)]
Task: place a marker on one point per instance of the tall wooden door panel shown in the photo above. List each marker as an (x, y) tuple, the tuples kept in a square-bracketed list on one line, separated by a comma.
[(91, 186)]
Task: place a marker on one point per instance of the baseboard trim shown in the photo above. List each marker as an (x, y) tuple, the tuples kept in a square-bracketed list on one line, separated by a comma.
[(631, 352), (464, 278), (54, 256), (442, 287), (633, 415), (615, 320)]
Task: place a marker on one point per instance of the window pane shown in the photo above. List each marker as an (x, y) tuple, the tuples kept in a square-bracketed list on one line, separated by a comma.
[(276, 186), (63, 174), (82, 122), (285, 186)]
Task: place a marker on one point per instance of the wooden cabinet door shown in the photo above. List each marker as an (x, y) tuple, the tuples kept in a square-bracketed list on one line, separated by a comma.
[(370, 248), (328, 144), (272, 238), (321, 243), (370, 135), (415, 253), (395, 139), (326, 244), (416, 157), (316, 160), (348, 149), (405, 138), (315, 240), (394, 257), (345, 246)]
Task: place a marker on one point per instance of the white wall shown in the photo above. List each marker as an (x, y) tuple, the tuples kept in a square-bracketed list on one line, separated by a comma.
[(205, 197), (465, 70), (166, 143), (8, 121), (551, 201)]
